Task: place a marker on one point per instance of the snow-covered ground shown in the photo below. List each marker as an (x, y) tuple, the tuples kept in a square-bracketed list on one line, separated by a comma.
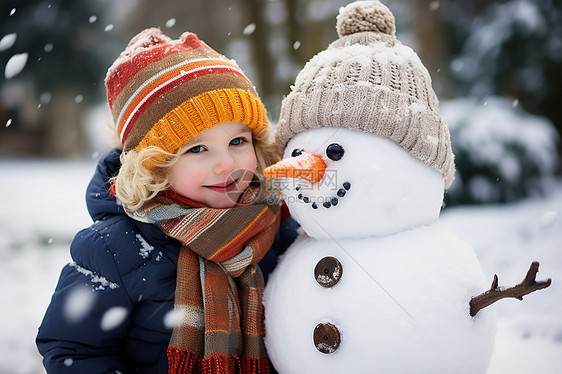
[(42, 206)]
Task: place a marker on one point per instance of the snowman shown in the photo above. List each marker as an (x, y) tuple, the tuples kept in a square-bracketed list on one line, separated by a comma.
[(374, 283)]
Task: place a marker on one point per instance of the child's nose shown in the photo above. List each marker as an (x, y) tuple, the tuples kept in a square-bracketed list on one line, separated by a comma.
[(225, 163)]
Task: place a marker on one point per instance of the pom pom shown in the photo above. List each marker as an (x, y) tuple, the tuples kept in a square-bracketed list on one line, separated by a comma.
[(362, 16), (146, 39)]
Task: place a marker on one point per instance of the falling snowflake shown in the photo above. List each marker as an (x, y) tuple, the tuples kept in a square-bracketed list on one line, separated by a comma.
[(15, 65), (8, 41), (113, 317), (249, 30), (170, 23)]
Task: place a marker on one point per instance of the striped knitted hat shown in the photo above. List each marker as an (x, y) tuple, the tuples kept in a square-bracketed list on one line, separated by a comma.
[(163, 92), (368, 81)]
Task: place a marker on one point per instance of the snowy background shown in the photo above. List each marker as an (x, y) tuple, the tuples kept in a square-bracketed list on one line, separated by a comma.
[(511, 49), (42, 207)]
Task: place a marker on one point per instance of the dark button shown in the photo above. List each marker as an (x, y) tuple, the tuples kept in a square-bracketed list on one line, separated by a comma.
[(328, 271), (326, 338)]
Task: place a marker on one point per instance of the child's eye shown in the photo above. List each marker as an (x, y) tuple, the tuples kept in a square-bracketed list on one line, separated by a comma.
[(237, 141), (196, 149)]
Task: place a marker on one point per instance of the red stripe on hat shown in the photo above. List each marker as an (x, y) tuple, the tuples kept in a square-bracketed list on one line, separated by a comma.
[(154, 95)]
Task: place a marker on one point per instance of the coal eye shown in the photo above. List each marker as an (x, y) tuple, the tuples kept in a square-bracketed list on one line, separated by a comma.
[(334, 152), (297, 152)]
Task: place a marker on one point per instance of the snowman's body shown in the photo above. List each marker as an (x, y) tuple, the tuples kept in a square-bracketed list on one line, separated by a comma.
[(401, 304)]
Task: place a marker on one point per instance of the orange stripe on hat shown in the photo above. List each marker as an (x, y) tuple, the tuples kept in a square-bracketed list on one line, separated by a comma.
[(199, 114)]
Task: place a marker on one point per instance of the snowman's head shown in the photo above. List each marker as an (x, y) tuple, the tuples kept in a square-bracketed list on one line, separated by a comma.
[(364, 113), (342, 183)]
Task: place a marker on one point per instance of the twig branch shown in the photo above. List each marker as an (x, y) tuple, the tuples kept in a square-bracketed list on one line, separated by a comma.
[(495, 293)]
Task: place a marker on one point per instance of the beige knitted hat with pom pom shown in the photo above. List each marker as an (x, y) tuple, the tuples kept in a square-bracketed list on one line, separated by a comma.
[(368, 81)]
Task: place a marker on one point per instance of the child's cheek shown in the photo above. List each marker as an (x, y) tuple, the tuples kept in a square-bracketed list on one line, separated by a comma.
[(188, 182), (194, 179)]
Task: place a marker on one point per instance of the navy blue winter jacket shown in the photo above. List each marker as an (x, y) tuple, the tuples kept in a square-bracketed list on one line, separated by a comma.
[(107, 314)]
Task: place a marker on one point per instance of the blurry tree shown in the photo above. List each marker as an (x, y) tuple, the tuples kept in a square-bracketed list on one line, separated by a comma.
[(511, 49), (65, 45), (507, 48), (502, 153)]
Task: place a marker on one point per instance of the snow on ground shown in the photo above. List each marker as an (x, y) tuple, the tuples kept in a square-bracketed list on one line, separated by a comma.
[(42, 207)]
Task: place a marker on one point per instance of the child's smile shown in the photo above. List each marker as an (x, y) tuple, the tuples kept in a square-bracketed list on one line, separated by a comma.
[(223, 187)]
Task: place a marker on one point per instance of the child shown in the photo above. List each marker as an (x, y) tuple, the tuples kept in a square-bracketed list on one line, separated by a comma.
[(166, 279)]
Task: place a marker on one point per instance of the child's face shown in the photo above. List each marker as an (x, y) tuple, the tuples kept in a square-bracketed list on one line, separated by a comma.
[(216, 166)]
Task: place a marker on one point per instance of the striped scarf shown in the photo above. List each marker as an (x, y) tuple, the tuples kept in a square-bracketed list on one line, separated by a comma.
[(218, 300)]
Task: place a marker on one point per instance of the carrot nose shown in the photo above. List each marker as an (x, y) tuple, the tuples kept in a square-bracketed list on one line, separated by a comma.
[(307, 166)]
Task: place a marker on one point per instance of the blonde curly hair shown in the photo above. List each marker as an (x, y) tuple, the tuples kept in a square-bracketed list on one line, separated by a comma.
[(137, 182)]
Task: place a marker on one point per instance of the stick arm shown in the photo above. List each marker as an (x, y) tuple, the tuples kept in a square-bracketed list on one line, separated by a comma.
[(495, 293)]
